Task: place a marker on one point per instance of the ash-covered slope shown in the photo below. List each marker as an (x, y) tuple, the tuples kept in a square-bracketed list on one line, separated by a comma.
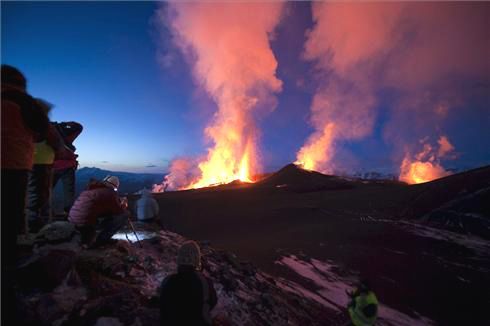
[(61, 284), (459, 202), (292, 177), (360, 230)]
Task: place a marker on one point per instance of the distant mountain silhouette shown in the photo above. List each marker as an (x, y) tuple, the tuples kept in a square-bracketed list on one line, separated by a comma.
[(130, 182)]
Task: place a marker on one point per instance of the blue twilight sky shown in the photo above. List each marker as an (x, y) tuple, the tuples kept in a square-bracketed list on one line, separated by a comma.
[(98, 62)]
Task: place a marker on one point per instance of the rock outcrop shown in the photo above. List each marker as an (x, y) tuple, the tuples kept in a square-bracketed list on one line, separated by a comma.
[(59, 283)]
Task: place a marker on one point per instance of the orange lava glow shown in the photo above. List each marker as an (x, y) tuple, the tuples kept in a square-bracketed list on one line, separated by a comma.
[(420, 172), (318, 150), (426, 165), (223, 166), (233, 62)]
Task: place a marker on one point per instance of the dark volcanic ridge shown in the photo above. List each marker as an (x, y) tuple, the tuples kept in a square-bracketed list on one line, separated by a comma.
[(416, 243), (298, 179), (459, 202), (292, 178), (309, 237)]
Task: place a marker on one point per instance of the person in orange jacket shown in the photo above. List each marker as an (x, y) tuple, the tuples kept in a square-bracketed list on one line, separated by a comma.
[(22, 121)]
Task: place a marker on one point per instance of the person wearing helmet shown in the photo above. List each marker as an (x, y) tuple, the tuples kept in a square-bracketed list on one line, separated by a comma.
[(99, 207), (187, 297), (363, 307)]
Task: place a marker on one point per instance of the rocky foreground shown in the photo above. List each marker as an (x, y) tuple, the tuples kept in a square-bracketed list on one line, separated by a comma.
[(59, 283)]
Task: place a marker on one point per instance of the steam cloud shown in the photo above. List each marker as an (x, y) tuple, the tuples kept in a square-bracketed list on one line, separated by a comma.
[(227, 45), (183, 170), (419, 51), (426, 165)]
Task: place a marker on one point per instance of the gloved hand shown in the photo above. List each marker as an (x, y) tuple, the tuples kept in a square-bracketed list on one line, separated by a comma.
[(124, 202)]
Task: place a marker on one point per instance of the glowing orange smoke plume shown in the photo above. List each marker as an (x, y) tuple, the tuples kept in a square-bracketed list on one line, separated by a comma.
[(318, 150), (343, 104), (228, 47), (361, 49), (182, 169), (425, 166)]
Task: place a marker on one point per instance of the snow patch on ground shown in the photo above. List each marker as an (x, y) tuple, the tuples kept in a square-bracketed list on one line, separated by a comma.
[(480, 246), (246, 296), (389, 316), (331, 290), (330, 287)]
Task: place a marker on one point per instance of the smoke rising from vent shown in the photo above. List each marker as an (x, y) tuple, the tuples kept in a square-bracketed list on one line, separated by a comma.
[(426, 166), (183, 170), (421, 52), (227, 45)]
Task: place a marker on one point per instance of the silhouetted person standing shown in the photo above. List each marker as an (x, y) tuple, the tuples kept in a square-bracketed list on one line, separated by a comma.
[(65, 162), (41, 177), (187, 297), (22, 121)]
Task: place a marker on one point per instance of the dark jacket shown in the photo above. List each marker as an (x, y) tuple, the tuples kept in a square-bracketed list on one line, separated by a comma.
[(186, 298), (67, 159), (98, 201), (23, 121)]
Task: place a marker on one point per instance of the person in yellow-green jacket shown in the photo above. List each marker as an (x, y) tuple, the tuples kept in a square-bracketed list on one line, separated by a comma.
[(40, 177), (363, 307)]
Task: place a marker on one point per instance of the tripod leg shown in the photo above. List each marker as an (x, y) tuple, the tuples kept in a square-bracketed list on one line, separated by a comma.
[(134, 231)]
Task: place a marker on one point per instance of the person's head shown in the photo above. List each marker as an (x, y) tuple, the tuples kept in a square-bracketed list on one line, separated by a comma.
[(189, 255), (13, 77), (145, 192), (111, 181), (364, 285)]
